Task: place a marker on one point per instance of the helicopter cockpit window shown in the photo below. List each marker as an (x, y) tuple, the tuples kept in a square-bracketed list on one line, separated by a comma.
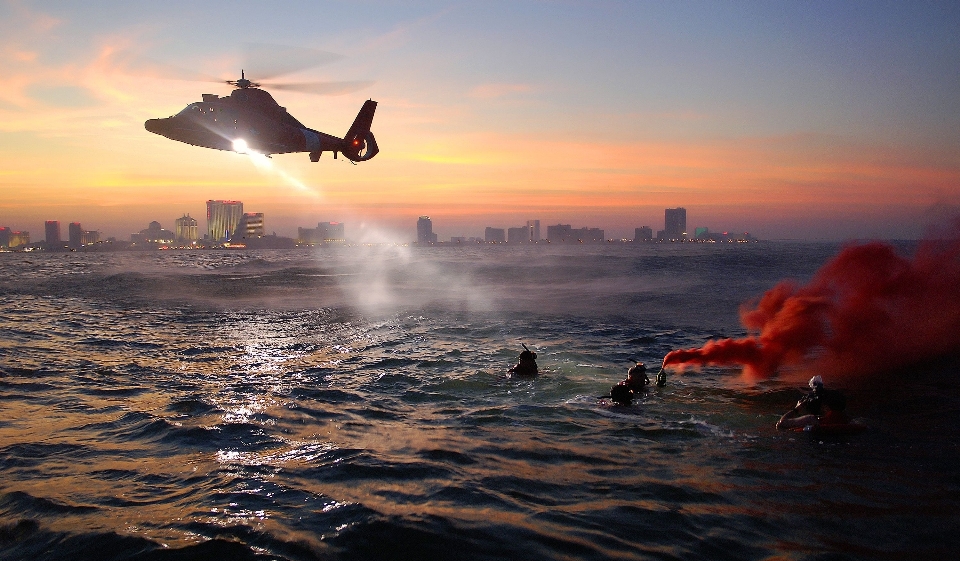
[(189, 110)]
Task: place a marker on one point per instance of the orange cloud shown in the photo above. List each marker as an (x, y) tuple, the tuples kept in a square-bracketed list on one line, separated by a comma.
[(100, 156)]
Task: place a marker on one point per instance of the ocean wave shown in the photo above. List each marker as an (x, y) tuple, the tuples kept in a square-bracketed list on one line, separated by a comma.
[(255, 406)]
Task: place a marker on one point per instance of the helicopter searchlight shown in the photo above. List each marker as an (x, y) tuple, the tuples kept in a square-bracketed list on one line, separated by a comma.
[(249, 120), (240, 146)]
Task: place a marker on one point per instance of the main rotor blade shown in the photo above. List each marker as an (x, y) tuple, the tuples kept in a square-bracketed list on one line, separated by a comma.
[(322, 88), (263, 61), (151, 68)]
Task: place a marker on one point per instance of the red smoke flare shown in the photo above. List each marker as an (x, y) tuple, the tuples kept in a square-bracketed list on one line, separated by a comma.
[(867, 311)]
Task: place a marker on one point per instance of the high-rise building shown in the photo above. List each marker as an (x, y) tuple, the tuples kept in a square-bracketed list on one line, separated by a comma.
[(518, 235), (332, 232), (559, 233), (675, 223), (425, 233), (222, 219), (250, 226), (534, 227), (186, 229), (76, 235), (643, 234), (4, 237), (19, 238), (591, 235), (52, 230), (324, 233), (89, 237), (494, 235), (565, 233)]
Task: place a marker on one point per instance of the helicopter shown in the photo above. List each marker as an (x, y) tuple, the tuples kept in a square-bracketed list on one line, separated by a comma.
[(249, 120)]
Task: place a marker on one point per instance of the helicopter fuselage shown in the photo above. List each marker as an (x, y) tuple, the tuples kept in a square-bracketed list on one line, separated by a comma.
[(250, 120)]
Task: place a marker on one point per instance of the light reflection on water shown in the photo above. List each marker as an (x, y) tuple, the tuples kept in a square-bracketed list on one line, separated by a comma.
[(140, 398)]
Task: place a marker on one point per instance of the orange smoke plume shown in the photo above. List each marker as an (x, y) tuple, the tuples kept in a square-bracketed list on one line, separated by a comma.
[(869, 310)]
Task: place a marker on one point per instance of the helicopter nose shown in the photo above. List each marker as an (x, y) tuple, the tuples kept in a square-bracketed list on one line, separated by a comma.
[(155, 126)]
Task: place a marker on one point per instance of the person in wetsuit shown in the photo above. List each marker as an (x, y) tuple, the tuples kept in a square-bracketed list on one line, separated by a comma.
[(636, 379), (821, 406), (632, 386), (526, 363)]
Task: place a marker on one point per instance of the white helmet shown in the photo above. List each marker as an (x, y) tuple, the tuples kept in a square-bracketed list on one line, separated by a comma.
[(815, 382)]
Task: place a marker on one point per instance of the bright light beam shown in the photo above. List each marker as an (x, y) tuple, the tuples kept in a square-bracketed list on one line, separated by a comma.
[(266, 166)]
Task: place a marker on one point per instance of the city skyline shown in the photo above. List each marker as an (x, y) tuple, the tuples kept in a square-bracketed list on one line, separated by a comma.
[(229, 223), (227, 217), (790, 120)]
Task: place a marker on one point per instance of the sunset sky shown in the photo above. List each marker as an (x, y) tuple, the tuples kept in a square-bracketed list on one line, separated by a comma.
[(808, 119)]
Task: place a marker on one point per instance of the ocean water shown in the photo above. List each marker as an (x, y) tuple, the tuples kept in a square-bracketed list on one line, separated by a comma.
[(353, 403)]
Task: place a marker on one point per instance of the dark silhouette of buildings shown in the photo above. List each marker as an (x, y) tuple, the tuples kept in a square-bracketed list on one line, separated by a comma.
[(564, 233), (78, 237), (51, 229), (425, 233), (153, 234), (226, 222), (75, 233), (518, 235), (324, 233), (674, 224), (494, 235), (533, 227)]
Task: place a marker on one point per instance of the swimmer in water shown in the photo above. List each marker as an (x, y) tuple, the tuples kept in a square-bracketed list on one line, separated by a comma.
[(636, 379), (526, 363), (821, 407), (632, 386)]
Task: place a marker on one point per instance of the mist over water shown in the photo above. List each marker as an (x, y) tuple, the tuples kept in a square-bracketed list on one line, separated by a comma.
[(353, 403)]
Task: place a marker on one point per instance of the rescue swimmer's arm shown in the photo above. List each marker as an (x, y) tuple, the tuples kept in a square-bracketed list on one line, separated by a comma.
[(790, 420)]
